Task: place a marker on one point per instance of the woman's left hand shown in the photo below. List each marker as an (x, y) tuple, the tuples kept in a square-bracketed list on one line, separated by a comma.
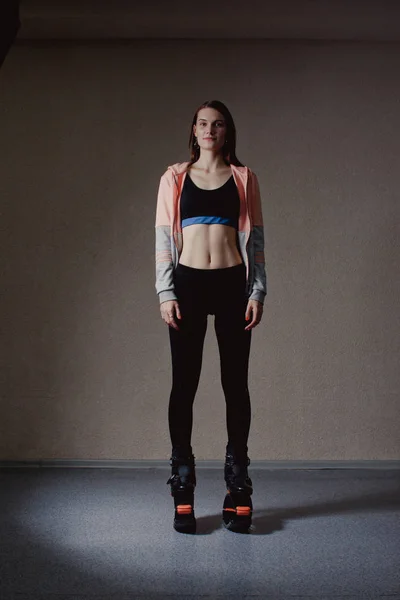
[(254, 311)]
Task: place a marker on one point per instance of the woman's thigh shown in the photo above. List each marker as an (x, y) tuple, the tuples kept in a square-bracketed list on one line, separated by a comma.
[(220, 292), (230, 322), (187, 342)]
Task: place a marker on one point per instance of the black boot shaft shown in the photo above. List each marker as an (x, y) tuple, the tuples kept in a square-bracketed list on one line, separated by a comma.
[(235, 472), (183, 473)]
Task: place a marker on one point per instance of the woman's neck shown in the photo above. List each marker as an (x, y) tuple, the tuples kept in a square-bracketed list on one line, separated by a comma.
[(210, 164)]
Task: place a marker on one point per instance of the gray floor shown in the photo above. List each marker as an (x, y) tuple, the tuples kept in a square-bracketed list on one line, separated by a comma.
[(107, 533)]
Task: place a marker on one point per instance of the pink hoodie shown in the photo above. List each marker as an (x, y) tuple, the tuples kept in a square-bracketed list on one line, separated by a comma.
[(169, 230)]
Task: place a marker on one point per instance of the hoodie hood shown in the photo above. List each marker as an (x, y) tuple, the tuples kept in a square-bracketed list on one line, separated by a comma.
[(178, 168)]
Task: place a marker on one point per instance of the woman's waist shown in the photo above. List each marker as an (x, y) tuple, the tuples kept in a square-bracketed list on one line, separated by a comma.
[(210, 245), (209, 263)]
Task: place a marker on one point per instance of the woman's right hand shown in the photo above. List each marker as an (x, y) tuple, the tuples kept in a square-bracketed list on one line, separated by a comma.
[(169, 309)]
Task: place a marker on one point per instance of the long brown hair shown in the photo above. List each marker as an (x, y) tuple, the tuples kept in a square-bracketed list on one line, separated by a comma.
[(229, 148)]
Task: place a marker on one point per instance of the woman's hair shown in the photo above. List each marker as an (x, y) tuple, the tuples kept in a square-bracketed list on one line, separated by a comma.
[(229, 148)]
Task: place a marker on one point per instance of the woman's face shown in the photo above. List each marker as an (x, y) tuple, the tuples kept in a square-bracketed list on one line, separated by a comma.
[(210, 129)]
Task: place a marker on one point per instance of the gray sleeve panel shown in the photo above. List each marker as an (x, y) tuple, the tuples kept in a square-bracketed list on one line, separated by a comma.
[(164, 264), (259, 289)]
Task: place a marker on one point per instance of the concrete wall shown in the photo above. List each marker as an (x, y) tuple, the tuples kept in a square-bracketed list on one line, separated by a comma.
[(86, 131)]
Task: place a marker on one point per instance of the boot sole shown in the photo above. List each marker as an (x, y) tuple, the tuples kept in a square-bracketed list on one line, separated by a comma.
[(238, 526), (184, 519), (237, 512), (186, 526)]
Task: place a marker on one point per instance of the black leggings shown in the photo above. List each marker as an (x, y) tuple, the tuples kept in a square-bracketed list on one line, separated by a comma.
[(219, 292)]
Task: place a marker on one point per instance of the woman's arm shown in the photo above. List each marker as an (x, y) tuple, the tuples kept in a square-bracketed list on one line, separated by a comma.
[(259, 289), (163, 252)]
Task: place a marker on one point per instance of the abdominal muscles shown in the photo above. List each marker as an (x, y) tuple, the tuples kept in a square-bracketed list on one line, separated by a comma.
[(209, 247)]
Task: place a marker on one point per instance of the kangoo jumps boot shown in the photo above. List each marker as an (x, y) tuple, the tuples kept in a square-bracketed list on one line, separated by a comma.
[(238, 507), (183, 482)]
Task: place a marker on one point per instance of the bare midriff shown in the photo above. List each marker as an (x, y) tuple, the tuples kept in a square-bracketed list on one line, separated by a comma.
[(209, 246)]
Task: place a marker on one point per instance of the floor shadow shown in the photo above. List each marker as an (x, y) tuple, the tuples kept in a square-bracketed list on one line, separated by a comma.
[(208, 524), (268, 521)]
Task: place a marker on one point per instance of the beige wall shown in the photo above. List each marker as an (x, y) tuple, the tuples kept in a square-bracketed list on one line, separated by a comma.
[(86, 132)]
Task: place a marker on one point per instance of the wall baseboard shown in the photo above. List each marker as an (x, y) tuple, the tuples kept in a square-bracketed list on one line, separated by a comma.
[(201, 464)]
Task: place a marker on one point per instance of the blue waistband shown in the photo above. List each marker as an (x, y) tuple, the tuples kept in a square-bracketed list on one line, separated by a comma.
[(208, 221)]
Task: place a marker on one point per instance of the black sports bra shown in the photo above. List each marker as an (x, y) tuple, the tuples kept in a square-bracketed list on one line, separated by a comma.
[(221, 205)]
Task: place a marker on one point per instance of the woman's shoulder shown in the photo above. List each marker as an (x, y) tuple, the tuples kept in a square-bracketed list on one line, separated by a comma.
[(250, 172), (244, 171), (241, 168), (176, 168)]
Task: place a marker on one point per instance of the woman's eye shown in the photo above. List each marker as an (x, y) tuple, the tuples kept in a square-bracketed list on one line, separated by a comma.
[(218, 124)]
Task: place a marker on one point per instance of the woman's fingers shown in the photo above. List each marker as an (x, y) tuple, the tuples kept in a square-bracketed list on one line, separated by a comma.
[(168, 314), (254, 310), (172, 323)]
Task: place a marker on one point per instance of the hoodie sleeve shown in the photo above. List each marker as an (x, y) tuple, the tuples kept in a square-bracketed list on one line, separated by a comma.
[(163, 249), (259, 289)]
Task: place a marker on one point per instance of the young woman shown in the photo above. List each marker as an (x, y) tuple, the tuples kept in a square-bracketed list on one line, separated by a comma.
[(210, 260)]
